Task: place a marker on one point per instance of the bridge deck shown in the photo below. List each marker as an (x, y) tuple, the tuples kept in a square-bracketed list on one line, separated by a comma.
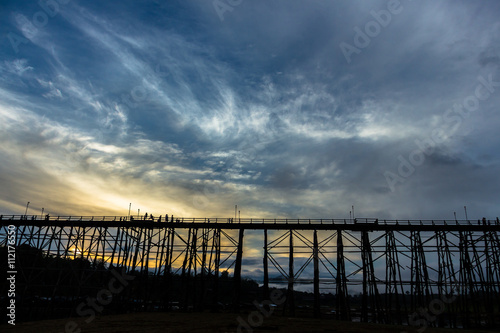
[(358, 224)]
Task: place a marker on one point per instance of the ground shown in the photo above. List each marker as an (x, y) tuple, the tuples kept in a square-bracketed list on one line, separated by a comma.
[(207, 323)]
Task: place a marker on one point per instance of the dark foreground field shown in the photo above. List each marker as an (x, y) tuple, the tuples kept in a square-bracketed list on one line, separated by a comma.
[(208, 322)]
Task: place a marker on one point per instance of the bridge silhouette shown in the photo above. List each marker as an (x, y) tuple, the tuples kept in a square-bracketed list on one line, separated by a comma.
[(415, 272)]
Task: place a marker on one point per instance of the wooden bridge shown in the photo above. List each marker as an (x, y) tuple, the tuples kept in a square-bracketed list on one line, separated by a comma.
[(383, 271)]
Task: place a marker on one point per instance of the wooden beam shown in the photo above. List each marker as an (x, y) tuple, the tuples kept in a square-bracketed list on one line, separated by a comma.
[(317, 309), (237, 273)]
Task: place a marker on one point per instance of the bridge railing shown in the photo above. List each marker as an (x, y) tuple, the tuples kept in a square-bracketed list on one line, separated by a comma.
[(172, 219)]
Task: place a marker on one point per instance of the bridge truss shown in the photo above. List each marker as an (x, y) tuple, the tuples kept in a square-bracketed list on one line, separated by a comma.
[(401, 272)]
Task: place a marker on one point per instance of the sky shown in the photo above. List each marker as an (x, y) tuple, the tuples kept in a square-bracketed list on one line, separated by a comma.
[(298, 109)]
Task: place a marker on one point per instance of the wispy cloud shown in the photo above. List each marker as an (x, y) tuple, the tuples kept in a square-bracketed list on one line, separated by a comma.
[(169, 108)]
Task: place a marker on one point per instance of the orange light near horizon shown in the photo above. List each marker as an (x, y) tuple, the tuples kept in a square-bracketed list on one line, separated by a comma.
[(75, 251)]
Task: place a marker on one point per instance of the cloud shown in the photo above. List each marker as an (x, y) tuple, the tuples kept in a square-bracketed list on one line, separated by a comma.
[(169, 108), (17, 66)]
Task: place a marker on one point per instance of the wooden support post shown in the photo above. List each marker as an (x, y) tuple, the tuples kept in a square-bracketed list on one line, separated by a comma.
[(491, 282), (478, 282), (463, 281), (204, 246), (137, 245), (166, 271), (393, 278), (371, 297), (266, 270), (290, 296), (216, 248), (147, 288), (184, 278), (117, 239), (122, 247), (342, 301), (128, 249), (317, 309), (160, 253), (237, 273), (168, 268), (364, 300), (192, 266), (68, 244)]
